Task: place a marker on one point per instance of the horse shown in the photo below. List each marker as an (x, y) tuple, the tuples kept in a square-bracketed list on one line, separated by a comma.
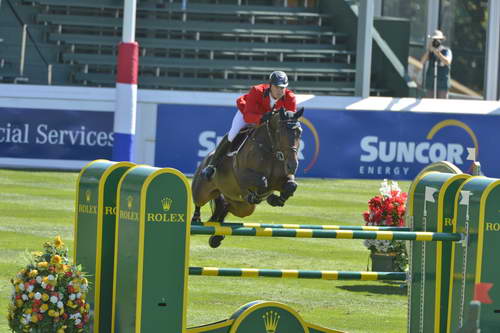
[(265, 162)]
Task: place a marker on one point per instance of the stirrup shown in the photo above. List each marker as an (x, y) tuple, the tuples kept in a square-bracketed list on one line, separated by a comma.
[(208, 172)]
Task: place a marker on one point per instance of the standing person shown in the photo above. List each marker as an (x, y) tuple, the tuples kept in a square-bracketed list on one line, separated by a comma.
[(260, 100), (437, 78)]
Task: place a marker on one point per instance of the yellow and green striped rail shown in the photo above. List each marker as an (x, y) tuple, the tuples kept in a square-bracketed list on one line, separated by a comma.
[(298, 274), (310, 233), (299, 226)]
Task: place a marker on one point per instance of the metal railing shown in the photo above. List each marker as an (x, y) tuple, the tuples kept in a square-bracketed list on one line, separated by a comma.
[(25, 35)]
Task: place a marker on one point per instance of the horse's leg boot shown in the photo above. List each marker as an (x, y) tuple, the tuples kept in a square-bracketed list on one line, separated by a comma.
[(209, 171)]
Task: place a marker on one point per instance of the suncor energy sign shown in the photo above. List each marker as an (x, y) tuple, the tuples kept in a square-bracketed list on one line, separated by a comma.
[(343, 144)]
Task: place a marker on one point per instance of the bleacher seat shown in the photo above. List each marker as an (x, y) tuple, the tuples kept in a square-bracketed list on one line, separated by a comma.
[(209, 45)]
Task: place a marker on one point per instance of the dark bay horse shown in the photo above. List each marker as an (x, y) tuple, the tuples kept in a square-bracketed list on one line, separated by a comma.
[(266, 162)]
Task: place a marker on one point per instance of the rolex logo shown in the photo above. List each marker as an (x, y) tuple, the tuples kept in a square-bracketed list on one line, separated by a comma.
[(271, 319), (88, 195), (130, 201), (166, 203)]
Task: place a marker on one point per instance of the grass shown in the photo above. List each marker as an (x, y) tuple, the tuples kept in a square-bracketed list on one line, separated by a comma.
[(36, 206)]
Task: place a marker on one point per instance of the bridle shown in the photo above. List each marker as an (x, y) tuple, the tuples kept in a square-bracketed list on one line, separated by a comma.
[(290, 124)]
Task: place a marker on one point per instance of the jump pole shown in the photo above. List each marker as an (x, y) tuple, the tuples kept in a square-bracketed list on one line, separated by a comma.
[(298, 226)]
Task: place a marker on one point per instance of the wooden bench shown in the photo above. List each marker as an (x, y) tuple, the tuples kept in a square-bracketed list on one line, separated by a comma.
[(251, 13), (338, 88), (200, 27), (214, 48), (223, 66)]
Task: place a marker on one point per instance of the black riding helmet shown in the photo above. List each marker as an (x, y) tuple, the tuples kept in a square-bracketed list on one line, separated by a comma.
[(278, 78)]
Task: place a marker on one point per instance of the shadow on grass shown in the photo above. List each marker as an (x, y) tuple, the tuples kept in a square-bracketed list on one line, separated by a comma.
[(389, 288)]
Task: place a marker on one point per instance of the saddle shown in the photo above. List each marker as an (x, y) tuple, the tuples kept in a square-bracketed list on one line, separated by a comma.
[(240, 139)]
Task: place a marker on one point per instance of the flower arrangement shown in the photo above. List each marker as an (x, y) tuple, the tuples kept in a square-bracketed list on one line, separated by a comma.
[(49, 294), (388, 209)]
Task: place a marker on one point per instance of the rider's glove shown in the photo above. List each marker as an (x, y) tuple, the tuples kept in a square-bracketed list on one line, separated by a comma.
[(266, 117)]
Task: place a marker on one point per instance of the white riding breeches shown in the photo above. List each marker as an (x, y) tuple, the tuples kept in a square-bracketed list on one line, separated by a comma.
[(237, 124)]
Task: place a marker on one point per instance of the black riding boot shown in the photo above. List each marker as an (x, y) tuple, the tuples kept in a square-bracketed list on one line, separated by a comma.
[(220, 151)]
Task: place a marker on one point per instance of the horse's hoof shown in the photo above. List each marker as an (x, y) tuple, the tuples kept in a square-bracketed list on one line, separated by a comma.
[(253, 199), (214, 241), (275, 201)]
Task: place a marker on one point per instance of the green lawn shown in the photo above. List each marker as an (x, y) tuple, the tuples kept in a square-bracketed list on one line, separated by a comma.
[(36, 206)]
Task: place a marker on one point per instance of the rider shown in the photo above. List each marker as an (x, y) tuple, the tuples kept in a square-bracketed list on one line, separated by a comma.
[(252, 106)]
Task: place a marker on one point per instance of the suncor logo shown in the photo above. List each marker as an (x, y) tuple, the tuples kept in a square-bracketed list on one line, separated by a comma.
[(409, 152), (382, 157)]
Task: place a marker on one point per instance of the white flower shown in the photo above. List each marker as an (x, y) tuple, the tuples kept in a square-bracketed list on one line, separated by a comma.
[(78, 295), (54, 299), (72, 297), (39, 279), (60, 305), (77, 321), (21, 286), (84, 287), (24, 297), (30, 288), (50, 277), (38, 295), (43, 285)]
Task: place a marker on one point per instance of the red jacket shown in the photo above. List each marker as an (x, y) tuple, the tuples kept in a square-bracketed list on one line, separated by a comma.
[(257, 102)]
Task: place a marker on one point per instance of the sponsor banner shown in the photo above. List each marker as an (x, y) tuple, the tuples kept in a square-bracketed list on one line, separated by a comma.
[(342, 144), (55, 134)]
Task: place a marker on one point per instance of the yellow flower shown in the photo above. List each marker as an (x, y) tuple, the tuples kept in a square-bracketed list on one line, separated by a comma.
[(28, 311), (43, 264), (31, 294), (19, 302), (44, 307), (45, 297), (56, 259), (58, 242), (33, 273), (37, 253), (61, 330), (52, 313), (34, 319)]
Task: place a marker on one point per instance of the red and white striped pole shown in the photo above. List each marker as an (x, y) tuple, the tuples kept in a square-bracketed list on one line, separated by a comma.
[(126, 87)]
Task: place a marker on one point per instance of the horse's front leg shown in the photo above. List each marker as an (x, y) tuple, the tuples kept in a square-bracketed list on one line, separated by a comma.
[(286, 191), (253, 184)]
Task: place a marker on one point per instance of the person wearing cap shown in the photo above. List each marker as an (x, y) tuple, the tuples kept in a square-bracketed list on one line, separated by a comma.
[(437, 78), (260, 100)]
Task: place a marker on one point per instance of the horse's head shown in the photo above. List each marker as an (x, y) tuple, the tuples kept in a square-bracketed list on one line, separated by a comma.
[(285, 137)]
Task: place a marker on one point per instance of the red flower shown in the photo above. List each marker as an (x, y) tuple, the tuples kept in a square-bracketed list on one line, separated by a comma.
[(386, 210)]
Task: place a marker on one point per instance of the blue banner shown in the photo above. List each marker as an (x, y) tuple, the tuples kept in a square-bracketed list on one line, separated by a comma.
[(343, 144), (55, 134)]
